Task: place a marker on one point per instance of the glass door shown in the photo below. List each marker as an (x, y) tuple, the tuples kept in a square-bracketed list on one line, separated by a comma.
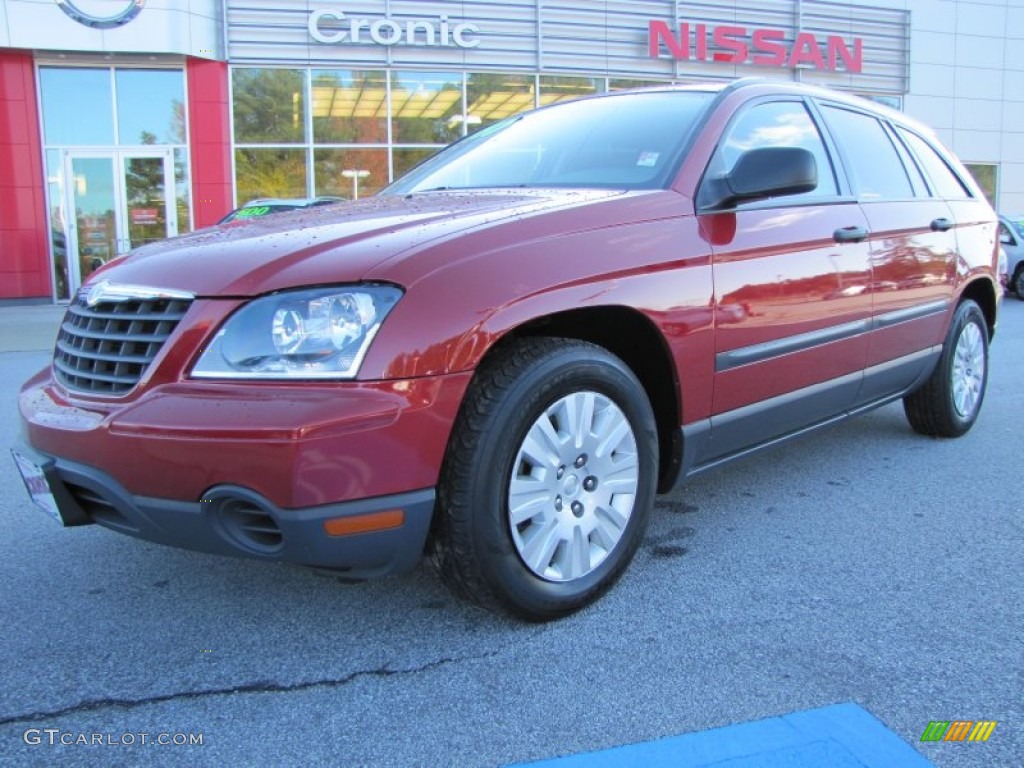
[(149, 210), (118, 200), (92, 203)]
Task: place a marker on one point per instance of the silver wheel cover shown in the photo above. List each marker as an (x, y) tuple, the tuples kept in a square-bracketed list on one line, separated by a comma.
[(573, 486), (968, 370)]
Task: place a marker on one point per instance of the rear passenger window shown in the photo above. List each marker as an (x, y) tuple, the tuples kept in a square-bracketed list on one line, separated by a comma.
[(776, 124), (877, 170), (944, 182), (913, 170)]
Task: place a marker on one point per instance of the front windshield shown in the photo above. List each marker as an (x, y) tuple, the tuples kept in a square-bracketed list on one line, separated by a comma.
[(625, 141)]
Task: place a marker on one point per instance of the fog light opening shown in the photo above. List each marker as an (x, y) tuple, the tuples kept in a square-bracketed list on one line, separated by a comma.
[(251, 526)]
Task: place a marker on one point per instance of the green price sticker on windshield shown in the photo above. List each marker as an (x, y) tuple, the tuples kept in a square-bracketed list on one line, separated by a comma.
[(256, 210)]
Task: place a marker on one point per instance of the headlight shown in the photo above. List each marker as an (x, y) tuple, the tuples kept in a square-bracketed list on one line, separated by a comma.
[(312, 334)]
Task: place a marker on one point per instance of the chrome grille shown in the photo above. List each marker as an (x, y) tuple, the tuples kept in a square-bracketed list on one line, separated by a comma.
[(105, 345)]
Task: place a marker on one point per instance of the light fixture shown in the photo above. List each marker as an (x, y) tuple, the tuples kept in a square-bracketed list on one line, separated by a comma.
[(355, 174)]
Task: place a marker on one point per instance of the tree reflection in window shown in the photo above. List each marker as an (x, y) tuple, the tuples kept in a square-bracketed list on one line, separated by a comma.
[(350, 173), (426, 108), (269, 105), (270, 173), (492, 97), (350, 107)]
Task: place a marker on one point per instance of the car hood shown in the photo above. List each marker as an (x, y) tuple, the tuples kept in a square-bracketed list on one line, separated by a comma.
[(331, 244)]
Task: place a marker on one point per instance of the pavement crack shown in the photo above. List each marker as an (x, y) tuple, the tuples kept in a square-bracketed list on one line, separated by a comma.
[(93, 705)]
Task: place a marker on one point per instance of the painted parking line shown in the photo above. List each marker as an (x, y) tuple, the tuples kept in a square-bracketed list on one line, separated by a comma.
[(839, 736)]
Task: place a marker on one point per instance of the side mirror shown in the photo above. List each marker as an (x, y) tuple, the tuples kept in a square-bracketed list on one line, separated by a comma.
[(1006, 238), (760, 174)]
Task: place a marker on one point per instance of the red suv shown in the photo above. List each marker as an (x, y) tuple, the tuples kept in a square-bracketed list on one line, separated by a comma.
[(504, 356)]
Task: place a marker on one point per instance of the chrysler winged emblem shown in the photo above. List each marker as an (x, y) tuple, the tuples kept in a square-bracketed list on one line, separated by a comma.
[(104, 290)]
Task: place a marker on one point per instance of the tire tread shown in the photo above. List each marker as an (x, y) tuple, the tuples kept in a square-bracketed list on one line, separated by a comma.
[(929, 409), (451, 550)]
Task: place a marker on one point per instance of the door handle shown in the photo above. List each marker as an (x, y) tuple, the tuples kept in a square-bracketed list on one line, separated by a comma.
[(942, 225), (850, 235)]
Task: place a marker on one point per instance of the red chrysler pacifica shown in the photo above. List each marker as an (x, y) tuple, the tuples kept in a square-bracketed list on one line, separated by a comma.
[(506, 354)]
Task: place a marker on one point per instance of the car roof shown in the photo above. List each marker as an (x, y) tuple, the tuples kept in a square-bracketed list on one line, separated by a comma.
[(773, 86)]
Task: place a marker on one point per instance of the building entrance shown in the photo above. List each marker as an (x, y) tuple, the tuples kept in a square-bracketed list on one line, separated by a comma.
[(117, 200)]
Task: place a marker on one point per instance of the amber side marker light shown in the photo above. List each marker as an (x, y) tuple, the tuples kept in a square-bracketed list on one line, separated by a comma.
[(376, 521)]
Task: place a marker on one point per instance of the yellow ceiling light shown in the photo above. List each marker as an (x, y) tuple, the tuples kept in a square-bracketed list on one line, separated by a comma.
[(349, 101), (353, 101), (499, 104), (423, 103)]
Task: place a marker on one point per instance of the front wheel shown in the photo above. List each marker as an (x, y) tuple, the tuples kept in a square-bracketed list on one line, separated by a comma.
[(1018, 283), (949, 402), (548, 480)]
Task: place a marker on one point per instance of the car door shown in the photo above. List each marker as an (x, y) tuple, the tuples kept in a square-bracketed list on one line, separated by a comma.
[(973, 218), (913, 250), (791, 290)]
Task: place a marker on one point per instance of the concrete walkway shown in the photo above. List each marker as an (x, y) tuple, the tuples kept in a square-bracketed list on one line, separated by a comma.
[(29, 327)]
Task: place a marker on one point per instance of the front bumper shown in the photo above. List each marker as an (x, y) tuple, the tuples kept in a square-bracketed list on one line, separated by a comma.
[(337, 474), (298, 445), (365, 538)]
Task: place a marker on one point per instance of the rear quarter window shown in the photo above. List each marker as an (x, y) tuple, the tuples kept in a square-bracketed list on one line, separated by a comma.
[(876, 168), (944, 182)]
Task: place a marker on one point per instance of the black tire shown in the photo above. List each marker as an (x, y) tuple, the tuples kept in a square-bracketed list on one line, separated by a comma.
[(475, 545), (949, 402), (1018, 283)]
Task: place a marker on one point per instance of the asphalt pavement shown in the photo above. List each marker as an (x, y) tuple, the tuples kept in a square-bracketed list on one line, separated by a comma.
[(864, 565)]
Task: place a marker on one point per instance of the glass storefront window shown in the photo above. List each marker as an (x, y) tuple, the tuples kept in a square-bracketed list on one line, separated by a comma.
[(350, 107), (270, 173), (350, 173), (405, 160), (555, 89), (150, 106), (893, 102), (269, 106), (491, 97), (115, 142), (622, 84), (426, 108), (69, 94)]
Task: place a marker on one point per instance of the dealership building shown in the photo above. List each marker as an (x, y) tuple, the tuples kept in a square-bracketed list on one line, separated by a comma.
[(126, 121)]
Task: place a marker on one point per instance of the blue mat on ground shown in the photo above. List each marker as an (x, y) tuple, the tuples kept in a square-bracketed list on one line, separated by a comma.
[(839, 736)]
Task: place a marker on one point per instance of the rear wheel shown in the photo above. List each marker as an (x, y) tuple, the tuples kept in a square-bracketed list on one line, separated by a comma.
[(949, 402), (1018, 283), (548, 481)]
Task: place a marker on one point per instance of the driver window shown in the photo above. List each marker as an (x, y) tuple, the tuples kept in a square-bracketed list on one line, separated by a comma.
[(776, 124)]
